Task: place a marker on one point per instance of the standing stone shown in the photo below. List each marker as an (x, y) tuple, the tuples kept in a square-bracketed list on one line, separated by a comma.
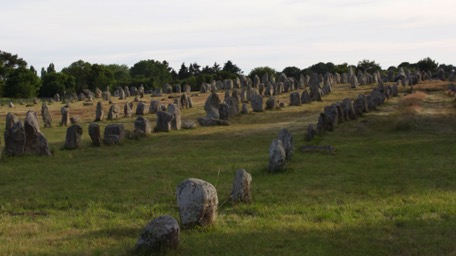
[(99, 114), (349, 108), (211, 106), (394, 91), (65, 111), (164, 121), (272, 103), (245, 108), (127, 110), (159, 235), (10, 105), (277, 156), (35, 141), (233, 104), (287, 140), (176, 123), (73, 137), (311, 132), (224, 111), (305, 97), (95, 134), (127, 91), (114, 112), (114, 134), (14, 136), (257, 103), (185, 101), (197, 201), (47, 119), (354, 81), (154, 107), (141, 109), (142, 126), (295, 99), (241, 187)]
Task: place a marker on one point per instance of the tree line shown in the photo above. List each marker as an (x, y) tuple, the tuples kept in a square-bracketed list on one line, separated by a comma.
[(17, 80)]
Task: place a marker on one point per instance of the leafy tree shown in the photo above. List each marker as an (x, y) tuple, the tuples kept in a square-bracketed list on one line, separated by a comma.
[(231, 68), (8, 64), (427, 64), (292, 72), (194, 69), (342, 68), (150, 73), (100, 77), (260, 71), (21, 83), (53, 82), (81, 71), (369, 66), (183, 72)]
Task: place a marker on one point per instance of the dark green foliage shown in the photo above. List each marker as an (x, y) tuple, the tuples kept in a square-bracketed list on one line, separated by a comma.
[(292, 72), (151, 73), (80, 70), (21, 83), (53, 83), (427, 64), (260, 71), (230, 67), (369, 66)]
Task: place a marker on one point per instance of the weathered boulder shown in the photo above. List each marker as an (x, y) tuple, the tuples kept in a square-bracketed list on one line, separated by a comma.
[(73, 137), (161, 234), (95, 134), (155, 106), (224, 111), (114, 134), (114, 112), (14, 136), (176, 123), (47, 119), (305, 97), (256, 102), (245, 108), (295, 99), (35, 141), (277, 156), (211, 106), (349, 109), (272, 103), (241, 187), (99, 114), (164, 121), (141, 109), (128, 112), (311, 132), (65, 111), (207, 121), (142, 126), (197, 201), (287, 140)]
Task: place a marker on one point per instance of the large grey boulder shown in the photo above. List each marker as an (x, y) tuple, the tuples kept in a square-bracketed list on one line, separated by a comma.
[(95, 134), (114, 134), (128, 112), (47, 119), (197, 201), (65, 111), (99, 114), (35, 141), (73, 137), (164, 121), (141, 109), (305, 97), (311, 132), (155, 106), (277, 156), (211, 106), (241, 187), (14, 136), (142, 126), (256, 102), (295, 99), (161, 234), (272, 103), (207, 121), (287, 139), (224, 111), (114, 112), (176, 123)]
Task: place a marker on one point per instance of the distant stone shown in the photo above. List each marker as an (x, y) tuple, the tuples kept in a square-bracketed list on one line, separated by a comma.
[(141, 109), (142, 126), (189, 124), (47, 119), (197, 201), (211, 106), (95, 134), (207, 121), (14, 136), (241, 187), (295, 99), (257, 103), (311, 132), (305, 97), (10, 105), (35, 141), (73, 137), (287, 140), (114, 112), (65, 111), (272, 103), (277, 156), (245, 108), (176, 123), (99, 114), (224, 111), (154, 107), (114, 134), (128, 112), (164, 121), (161, 234)]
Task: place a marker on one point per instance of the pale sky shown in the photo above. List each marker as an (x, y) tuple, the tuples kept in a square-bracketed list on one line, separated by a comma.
[(250, 33)]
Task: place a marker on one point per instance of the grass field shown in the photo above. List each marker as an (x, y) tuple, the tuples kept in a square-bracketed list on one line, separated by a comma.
[(389, 189)]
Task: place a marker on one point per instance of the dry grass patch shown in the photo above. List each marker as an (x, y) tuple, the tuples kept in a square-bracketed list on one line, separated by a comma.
[(408, 108)]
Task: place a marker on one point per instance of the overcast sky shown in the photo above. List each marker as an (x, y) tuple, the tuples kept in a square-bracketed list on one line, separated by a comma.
[(250, 33)]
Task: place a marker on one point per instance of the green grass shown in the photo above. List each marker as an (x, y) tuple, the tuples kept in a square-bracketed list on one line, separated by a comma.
[(385, 191)]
